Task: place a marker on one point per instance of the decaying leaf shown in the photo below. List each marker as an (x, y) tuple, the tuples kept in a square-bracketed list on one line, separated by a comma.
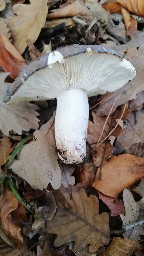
[(45, 213), (3, 4), (122, 247), (27, 23), (5, 150), (37, 162), (129, 21), (133, 131), (133, 230), (131, 208), (10, 59), (70, 10), (78, 219), (118, 173), (116, 206), (17, 117), (67, 179), (4, 30), (135, 54), (9, 203), (87, 175), (136, 7)]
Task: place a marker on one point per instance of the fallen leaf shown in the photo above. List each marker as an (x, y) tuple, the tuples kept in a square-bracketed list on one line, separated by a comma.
[(140, 188), (132, 212), (137, 104), (4, 30), (87, 175), (16, 117), (137, 149), (45, 251), (10, 59), (27, 23), (98, 129), (112, 6), (134, 52), (118, 173), (78, 219), (122, 247), (133, 132), (5, 150), (129, 21), (37, 161), (67, 179), (3, 4), (9, 203), (136, 7), (73, 9), (131, 208), (116, 206)]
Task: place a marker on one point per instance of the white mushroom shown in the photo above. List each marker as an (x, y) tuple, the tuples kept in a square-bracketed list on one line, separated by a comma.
[(72, 80)]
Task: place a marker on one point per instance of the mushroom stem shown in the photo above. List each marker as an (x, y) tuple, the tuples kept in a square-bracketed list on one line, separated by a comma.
[(71, 124)]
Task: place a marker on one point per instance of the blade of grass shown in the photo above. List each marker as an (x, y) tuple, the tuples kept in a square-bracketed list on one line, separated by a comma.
[(16, 194), (17, 150)]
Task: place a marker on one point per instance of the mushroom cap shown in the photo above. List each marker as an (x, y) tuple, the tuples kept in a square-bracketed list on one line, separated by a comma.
[(95, 69)]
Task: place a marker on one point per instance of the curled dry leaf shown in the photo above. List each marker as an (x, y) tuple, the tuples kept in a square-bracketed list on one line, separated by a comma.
[(118, 173), (136, 6), (27, 23), (37, 161), (9, 203), (78, 219), (122, 247), (116, 206), (16, 117), (5, 150), (10, 59), (87, 175), (67, 179), (4, 30), (129, 21), (73, 9)]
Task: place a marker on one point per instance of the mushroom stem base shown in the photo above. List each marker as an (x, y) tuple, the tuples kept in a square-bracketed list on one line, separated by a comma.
[(71, 124)]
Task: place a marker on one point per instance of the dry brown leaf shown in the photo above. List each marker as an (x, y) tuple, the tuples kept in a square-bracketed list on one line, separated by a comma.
[(4, 30), (132, 229), (5, 150), (137, 104), (10, 59), (118, 173), (129, 21), (112, 6), (133, 133), (9, 203), (122, 247), (87, 175), (135, 54), (116, 206), (78, 219), (97, 130), (27, 23), (17, 117), (136, 6), (37, 161), (73, 9)]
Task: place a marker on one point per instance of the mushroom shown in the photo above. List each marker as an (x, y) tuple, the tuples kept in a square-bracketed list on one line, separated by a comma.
[(71, 75)]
